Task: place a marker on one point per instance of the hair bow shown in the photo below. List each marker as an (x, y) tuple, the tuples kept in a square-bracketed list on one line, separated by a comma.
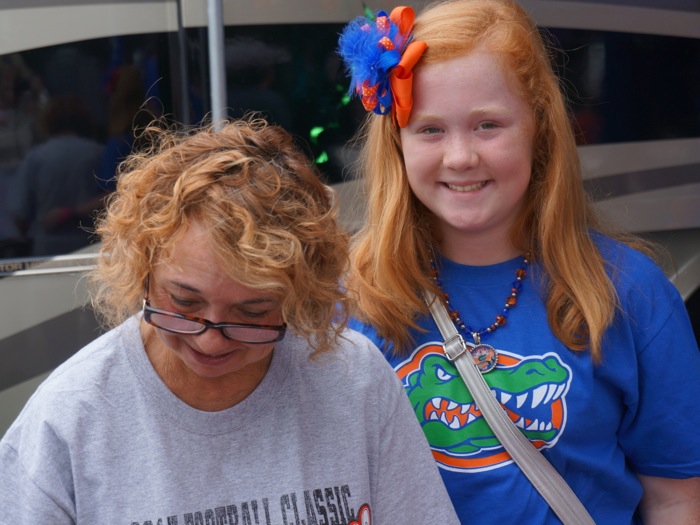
[(379, 57)]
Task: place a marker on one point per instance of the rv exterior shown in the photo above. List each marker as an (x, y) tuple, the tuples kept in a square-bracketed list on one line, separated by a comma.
[(632, 70)]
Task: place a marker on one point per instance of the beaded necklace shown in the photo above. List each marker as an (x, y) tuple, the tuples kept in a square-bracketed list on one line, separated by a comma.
[(485, 356)]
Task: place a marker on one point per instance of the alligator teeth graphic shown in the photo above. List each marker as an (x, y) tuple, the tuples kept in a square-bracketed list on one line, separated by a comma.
[(542, 395), (451, 414), (546, 394), (455, 415)]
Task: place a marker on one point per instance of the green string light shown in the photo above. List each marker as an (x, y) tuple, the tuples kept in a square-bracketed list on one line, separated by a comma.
[(345, 99), (315, 132)]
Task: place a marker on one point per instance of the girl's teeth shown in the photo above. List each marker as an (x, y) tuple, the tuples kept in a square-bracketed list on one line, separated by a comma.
[(471, 187)]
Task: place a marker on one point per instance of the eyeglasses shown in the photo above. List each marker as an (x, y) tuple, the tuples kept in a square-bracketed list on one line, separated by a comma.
[(256, 334)]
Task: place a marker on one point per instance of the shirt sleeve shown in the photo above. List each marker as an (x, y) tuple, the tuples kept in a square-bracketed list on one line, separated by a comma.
[(661, 434), (22, 500), (410, 488)]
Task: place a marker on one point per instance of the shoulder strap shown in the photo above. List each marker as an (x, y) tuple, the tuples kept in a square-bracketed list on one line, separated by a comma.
[(551, 486)]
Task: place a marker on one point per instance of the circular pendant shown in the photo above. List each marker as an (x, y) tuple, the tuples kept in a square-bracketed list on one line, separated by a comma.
[(485, 357)]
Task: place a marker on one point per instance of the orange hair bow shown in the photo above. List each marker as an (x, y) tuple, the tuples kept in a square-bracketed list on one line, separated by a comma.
[(380, 56), (401, 77)]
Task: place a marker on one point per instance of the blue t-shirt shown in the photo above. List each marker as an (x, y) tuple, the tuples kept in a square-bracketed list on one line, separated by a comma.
[(636, 412)]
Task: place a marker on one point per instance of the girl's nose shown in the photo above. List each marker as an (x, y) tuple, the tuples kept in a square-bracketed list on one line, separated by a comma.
[(460, 153)]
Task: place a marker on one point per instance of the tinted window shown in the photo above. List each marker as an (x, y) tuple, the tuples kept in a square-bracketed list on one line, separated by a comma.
[(628, 87), (293, 75), (66, 118)]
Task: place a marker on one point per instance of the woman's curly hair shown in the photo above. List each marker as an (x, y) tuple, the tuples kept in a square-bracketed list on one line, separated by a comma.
[(271, 220)]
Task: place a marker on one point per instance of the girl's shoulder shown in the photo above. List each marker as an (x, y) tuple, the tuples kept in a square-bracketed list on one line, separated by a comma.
[(625, 259), (637, 277)]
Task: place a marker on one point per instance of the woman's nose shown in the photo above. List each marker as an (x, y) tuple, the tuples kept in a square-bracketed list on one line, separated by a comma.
[(212, 341)]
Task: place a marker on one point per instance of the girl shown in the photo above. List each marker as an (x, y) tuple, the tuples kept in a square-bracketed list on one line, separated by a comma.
[(475, 194)]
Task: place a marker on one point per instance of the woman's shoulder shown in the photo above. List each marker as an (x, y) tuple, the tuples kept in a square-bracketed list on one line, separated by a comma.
[(370, 332), (98, 354), (355, 357), (76, 380), (353, 374), (356, 345)]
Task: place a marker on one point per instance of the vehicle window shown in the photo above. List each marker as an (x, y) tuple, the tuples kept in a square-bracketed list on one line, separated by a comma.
[(67, 114), (627, 87), (293, 76)]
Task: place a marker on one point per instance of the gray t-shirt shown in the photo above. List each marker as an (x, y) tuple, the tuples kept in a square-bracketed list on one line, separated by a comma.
[(324, 441)]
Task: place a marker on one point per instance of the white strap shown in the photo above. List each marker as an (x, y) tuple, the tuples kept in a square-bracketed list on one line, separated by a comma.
[(551, 486)]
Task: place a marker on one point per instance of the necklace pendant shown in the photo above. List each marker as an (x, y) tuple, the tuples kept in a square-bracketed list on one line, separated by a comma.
[(485, 357)]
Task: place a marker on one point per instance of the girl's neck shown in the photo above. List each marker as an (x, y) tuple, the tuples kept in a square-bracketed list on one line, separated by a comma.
[(477, 250)]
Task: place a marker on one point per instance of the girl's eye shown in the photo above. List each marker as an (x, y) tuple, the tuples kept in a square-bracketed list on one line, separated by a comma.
[(430, 130), (487, 125)]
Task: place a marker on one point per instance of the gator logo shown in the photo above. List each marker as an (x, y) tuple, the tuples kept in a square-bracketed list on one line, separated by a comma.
[(532, 390)]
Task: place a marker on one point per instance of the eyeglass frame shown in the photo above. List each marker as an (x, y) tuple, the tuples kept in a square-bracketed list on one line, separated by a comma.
[(205, 323)]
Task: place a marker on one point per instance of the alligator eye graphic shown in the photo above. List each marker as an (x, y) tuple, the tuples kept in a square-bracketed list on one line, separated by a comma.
[(442, 374)]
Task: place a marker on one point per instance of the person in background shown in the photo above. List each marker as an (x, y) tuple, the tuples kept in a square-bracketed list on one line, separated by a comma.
[(55, 192), (475, 194), (229, 390), (22, 95)]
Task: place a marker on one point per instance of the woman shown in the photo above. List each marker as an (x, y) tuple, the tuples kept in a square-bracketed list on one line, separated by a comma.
[(475, 194), (229, 390)]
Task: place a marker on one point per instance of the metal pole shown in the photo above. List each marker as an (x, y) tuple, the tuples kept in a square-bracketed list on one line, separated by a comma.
[(183, 70), (217, 70)]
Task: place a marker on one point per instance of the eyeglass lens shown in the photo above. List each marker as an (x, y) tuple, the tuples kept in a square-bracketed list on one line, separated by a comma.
[(238, 333)]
